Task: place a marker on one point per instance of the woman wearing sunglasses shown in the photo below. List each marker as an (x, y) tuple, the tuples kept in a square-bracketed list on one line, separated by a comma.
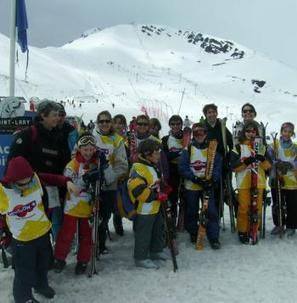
[(248, 113), (249, 158), (112, 145)]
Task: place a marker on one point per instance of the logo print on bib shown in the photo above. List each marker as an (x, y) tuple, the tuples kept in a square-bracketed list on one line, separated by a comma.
[(22, 210)]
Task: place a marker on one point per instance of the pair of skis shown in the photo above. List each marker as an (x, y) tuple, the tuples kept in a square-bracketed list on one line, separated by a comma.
[(95, 225), (278, 188), (211, 152), (228, 181)]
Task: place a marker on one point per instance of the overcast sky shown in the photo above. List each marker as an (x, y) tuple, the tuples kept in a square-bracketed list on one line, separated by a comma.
[(268, 26)]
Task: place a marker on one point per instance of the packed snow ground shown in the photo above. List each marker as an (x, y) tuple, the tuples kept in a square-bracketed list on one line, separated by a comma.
[(236, 273)]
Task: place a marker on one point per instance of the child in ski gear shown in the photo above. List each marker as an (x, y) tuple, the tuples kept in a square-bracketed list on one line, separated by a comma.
[(78, 209), (21, 202), (246, 160), (144, 191), (284, 165), (172, 146), (112, 145), (192, 167)]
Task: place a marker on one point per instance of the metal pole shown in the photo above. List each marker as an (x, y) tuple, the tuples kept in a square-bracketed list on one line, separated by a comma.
[(12, 48)]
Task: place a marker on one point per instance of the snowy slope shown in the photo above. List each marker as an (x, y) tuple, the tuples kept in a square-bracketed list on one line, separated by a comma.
[(140, 67)]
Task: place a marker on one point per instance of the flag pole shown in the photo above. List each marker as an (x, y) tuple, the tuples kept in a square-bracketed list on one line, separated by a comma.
[(12, 48)]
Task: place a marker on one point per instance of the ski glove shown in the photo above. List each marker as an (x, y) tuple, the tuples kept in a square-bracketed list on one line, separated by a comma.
[(260, 158), (284, 166), (248, 161), (162, 197), (91, 176)]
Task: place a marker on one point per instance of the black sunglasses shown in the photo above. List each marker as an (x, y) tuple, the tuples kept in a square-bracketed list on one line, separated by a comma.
[(104, 121), (175, 124), (142, 124), (247, 111)]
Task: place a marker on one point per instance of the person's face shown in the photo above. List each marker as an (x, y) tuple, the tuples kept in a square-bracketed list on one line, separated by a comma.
[(211, 115), (199, 135), (154, 130), (104, 123), (251, 134), (142, 126), (175, 126), (118, 125), (287, 133), (248, 113), (154, 157), (61, 118), (87, 151), (50, 121)]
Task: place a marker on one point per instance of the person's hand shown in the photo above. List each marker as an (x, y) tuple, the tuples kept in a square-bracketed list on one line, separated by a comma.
[(162, 197), (72, 188), (197, 180), (260, 158), (248, 161)]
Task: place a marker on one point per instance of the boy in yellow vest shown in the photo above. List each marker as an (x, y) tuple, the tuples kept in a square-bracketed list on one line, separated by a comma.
[(144, 190)]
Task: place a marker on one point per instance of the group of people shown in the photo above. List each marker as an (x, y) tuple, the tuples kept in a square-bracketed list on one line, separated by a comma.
[(46, 195)]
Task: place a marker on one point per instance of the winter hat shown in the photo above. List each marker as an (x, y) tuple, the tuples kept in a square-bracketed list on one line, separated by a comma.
[(18, 168)]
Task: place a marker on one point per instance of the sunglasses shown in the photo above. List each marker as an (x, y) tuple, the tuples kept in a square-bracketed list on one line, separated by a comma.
[(251, 131), (142, 124), (175, 124), (62, 114), (23, 184), (247, 111), (104, 121)]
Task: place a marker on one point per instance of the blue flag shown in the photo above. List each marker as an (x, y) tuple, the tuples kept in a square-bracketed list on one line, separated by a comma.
[(22, 24)]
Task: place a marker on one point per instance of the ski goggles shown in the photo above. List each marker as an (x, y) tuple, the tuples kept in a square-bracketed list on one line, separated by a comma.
[(199, 131), (85, 140)]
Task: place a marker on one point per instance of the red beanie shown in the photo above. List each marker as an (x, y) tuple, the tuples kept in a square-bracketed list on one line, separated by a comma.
[(18, 168)]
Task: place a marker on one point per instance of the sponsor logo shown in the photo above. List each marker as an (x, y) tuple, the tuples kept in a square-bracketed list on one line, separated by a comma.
[(198, 165), (22, 210)]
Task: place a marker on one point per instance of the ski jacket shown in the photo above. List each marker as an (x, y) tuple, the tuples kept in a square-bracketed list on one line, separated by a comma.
[(193, 162), (25, 215), (215, 132), (143, 185), (41, 147), (286, 151), (172, 147), (243, 172), (114, 150)]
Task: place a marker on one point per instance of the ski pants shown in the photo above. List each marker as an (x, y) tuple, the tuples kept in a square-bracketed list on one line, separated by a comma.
[(193, 198), (149, 235), (66, 235), (243, 214), (31, 261), (289, 208), (107, 205)]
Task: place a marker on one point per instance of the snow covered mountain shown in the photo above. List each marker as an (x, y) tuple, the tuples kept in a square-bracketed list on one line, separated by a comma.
[(156, 69)]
